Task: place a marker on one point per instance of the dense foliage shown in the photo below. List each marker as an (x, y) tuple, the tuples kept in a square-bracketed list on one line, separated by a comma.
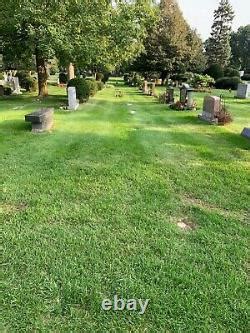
[(228, 83), (218, 45)]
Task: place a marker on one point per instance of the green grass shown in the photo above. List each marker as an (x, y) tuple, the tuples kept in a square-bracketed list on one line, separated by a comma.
[(90, 210)]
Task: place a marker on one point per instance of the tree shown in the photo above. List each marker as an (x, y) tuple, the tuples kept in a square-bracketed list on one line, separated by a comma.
[(171, 45), (240, 45), (81, 32), (218, 45)]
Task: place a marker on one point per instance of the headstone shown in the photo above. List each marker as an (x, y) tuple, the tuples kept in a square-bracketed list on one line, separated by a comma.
[(41, 120), (246, 132), (170, 95), (183, 94), (241, 73), (189, 98), (16, 86), (1, 90), (145, 87), (72, 101), (243, 90), (211, 107)]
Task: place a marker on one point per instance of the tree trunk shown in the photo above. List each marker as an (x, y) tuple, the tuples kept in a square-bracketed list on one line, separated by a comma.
[(42, 73), (71, 71), (164, 76)]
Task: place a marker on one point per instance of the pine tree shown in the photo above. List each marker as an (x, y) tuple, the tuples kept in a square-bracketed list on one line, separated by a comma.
[(218, 45)]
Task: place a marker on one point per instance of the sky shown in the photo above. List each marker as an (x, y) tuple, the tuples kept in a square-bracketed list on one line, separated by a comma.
[(199, 14)]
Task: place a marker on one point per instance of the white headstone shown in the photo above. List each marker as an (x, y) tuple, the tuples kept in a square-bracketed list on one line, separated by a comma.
[(16, 86), (73, 102), (243, 90)]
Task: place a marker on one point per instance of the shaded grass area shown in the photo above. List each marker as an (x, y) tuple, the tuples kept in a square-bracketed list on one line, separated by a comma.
[(90, 210)]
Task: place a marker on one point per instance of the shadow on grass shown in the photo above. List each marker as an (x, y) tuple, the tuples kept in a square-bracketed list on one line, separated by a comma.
[(15, 125)]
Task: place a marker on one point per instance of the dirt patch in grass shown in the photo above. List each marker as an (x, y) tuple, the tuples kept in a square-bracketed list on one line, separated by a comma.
[(186, 225), (239, 215), (6, 208)]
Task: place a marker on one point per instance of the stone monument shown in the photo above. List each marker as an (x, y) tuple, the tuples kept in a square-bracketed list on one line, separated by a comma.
[(170, 95), (243, 90), (72, 100), (145, 87), (246, 132), (16, 86), (211, 107)]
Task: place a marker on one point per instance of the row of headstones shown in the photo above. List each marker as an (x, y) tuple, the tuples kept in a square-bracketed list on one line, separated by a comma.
[(12, 82)]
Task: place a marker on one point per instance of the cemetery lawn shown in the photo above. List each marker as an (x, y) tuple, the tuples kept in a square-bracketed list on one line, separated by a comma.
[(91, 210)]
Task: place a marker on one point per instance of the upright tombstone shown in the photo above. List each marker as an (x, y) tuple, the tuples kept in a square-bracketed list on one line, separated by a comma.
[(16, 86), (170, 95), (72, 100), (243, 90), (246, 132), (190, 98), (145, 87), (1, 90), (211, 108)]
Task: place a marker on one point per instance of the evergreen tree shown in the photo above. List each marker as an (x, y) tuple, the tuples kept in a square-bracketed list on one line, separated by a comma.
[(218, 45), (171, 45), (240, 45)]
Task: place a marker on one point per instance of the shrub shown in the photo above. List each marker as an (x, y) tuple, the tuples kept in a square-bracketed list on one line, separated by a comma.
[(231, 72), (99, 76), (63, 78), (137, 80), (84, 88), (106, 76), (246, 77), (7, 91), (227, 83), (215, 71), (100, 85), (1, 76), (26, 81), (92, 86), (202, 81)]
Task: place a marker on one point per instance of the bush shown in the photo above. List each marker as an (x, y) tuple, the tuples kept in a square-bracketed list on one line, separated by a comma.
[(26, 81), (227, 83), (100, 85), (7, 91), (106, 76), (63, 78), (231, 72), (93, 88), (99, 76), (215, 71), (246, 77), (84, 88), (202, 81), (1, 76)]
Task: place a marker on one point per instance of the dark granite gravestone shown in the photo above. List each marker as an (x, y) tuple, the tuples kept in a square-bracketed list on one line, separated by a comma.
[(41, 120), (211, 107), (170, 95), (246, 132)]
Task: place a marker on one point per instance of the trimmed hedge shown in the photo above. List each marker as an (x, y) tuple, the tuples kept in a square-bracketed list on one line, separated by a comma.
[(228, 83), (84, 88), (231, 72)]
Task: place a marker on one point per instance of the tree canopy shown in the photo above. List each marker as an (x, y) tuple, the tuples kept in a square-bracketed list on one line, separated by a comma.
[(80, 31)]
